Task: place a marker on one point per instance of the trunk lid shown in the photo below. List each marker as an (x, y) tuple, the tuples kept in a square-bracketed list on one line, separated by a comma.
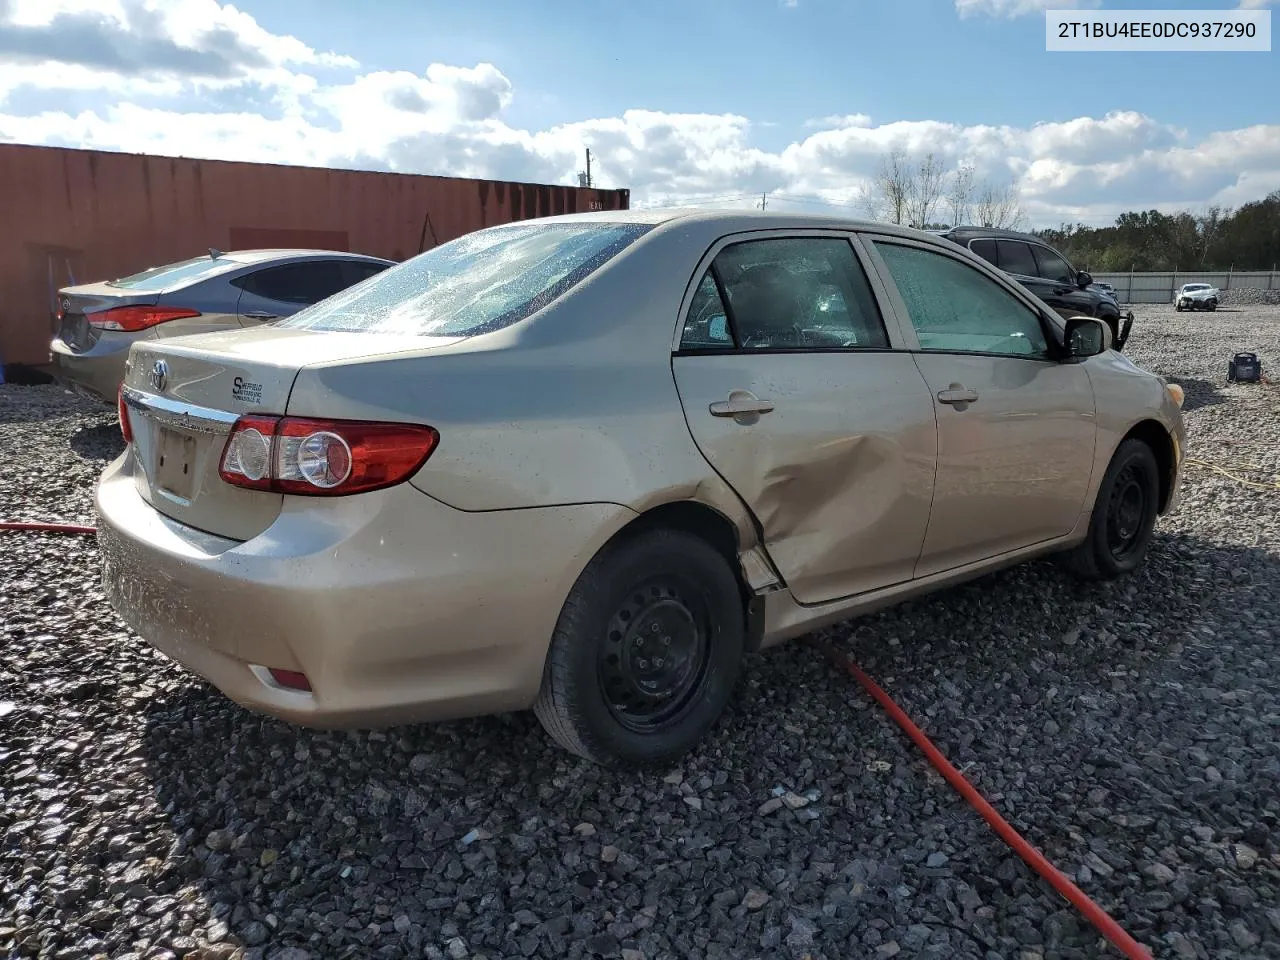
[(185, 394), (75, 302)]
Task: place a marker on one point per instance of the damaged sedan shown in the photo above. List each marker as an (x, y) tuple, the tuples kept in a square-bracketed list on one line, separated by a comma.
[(584, 465)]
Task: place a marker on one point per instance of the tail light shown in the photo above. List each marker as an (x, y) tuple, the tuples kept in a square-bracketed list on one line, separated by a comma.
[(122, 411), (139, 317), (323, 457)]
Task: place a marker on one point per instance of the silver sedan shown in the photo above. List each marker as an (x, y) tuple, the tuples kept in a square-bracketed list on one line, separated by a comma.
[(99, 322)]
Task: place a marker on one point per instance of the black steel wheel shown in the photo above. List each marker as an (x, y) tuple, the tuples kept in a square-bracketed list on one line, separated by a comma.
[(646, 652), (658, 646), (1126, 511), (1124, 516)]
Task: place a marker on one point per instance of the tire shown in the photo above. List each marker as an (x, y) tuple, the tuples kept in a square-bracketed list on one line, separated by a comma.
[(1177, 307), (645, 598), (1212, 307), (1117, 543)]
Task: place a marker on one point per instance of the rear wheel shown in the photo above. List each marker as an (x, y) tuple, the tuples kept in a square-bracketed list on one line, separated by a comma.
[(1124, 516), (646, 652)]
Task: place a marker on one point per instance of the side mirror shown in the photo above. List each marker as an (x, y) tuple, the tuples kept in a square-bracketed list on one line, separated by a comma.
[(1087, 337), (1084, 279)]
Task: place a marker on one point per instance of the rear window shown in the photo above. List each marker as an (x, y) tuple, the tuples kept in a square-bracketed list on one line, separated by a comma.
[(475, 284), (172, 274)]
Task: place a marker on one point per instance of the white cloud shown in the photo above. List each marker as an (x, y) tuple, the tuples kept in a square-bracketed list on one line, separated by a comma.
[(148, 47), (1016, 8), (254, 95), (840, 120)]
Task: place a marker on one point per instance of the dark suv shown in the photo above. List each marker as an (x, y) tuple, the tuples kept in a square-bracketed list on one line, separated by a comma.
[(1046, 273)]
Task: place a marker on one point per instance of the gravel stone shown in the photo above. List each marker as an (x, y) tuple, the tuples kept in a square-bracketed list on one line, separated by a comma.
[(140, 806)]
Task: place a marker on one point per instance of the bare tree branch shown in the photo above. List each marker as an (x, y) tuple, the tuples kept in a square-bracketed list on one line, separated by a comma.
[(999, 207), (960, 197), (891, 189), (911, 193), (924, 191)]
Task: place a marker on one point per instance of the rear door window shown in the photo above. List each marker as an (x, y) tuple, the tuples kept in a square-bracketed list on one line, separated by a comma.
[(1015, 257), (707, 324), (784, 294), (986, 249), (299, 283), (356, 271)]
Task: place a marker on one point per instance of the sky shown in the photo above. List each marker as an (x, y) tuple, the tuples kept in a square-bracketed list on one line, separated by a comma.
[(713, 102)]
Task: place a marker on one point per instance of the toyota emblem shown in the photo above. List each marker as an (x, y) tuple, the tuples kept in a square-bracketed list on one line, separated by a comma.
[(160, 376)]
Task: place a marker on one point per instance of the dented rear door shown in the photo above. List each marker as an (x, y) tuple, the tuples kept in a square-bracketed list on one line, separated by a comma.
[(832, 446)]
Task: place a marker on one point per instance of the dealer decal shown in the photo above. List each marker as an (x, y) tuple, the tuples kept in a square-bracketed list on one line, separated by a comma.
[(246, 392)]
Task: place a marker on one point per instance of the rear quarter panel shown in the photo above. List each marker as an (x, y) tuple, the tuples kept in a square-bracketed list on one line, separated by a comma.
[(576, 404)]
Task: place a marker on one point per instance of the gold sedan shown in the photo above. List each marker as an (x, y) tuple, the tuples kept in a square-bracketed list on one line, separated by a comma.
[(586, 464)]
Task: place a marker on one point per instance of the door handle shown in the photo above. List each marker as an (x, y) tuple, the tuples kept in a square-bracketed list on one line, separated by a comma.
[(741, 403), (262, 315), (957, 394)]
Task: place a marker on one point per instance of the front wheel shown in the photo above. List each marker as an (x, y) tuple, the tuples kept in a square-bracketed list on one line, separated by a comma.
[(1124, 516), (646, 652)]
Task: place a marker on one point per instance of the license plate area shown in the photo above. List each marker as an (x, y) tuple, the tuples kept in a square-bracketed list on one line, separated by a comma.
[(75, 331), (176, 463)]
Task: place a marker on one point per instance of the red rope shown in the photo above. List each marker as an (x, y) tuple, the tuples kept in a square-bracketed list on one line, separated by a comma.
[(48, 527), (1094, 913)]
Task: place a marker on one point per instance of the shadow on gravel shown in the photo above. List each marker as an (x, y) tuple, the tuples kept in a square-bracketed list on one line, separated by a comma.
[(1199, 393), (101, 442)]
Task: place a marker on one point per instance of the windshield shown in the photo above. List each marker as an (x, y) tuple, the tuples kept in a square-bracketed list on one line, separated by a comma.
[(155, 279), (1193, 287), (476, 284)]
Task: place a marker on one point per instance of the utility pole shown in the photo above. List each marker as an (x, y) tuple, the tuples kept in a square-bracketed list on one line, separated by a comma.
[(584, 179), (764, 201)]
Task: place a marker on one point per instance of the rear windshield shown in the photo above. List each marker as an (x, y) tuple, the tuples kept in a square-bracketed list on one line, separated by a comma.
[(172, 274), (476, 284)]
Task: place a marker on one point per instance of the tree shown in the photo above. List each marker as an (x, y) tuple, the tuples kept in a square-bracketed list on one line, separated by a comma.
[(890, 189), (960, 196), (1215, 239), (910, 193), (999, 207), (924, 191)]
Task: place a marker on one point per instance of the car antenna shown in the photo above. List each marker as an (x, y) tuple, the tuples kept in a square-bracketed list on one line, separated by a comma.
[(214, 253)]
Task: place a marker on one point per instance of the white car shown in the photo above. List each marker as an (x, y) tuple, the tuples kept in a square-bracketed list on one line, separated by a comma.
[(1196, 296)]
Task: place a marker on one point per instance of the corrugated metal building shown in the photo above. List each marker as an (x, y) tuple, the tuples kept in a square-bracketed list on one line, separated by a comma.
[(77, 216)]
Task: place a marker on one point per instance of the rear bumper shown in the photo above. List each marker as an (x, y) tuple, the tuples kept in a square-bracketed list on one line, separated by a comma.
[(396, 607), (95, 373)]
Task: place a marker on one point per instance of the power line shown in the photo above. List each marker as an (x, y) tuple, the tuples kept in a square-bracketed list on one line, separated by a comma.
[(697, 202), (819, 200)]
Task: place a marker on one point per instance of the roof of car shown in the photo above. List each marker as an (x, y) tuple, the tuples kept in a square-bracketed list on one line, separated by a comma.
[(971, 233), (291, 253), (739, 220)]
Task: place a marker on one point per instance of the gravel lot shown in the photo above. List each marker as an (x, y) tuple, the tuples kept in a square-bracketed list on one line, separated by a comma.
[(1131, 730)]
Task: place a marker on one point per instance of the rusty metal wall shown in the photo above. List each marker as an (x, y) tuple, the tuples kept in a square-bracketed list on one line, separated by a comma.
[(82, 216)]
